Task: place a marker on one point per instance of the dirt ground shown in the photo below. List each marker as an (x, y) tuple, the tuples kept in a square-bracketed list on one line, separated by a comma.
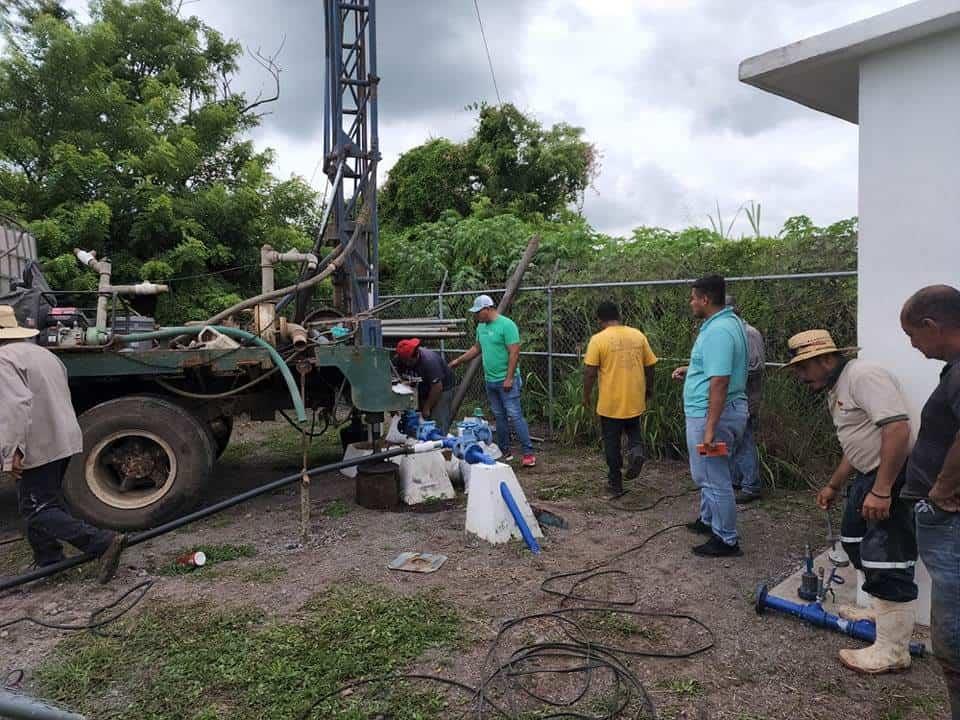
[(761, 666)]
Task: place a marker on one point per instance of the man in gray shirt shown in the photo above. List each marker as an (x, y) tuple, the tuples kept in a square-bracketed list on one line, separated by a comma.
[(39, 434), (745, 465)]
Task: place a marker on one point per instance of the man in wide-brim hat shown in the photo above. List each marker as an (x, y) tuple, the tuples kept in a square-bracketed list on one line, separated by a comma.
[(871, 416), (39, 434)]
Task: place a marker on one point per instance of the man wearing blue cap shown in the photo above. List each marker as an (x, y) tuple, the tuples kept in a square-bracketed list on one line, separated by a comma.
[(498, 341)]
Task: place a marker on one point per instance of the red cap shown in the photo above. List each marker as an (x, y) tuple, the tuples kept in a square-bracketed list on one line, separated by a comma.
[(406, 349)]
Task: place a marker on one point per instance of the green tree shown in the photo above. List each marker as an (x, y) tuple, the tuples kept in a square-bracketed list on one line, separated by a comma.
[(426, 181), (122, 135), (519, 164), (510, 164)]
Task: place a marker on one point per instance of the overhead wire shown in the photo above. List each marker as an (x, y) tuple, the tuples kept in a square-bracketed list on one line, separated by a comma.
[(486, 47)]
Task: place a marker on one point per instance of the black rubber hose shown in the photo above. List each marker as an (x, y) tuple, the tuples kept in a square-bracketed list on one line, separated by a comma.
[(137, 538)]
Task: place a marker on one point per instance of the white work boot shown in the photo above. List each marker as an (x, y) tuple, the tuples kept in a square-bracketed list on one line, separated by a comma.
[(891, 650), (855, 612)]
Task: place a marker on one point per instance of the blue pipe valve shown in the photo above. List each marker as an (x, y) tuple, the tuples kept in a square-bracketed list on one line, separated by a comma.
[(476, 429), (814, 614)]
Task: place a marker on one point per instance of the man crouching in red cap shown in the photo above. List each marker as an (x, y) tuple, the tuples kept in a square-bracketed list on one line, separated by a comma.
[(435, 390)]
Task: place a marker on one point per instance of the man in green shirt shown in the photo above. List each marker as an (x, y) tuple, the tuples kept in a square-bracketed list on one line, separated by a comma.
[(498, 341)]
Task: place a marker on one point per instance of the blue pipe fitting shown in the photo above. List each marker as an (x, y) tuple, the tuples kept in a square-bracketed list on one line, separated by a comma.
[(814, 614), (474, 455), (528, 537), (409, 422)]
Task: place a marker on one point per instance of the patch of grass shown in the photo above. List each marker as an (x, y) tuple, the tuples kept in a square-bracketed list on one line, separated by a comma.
[(683, 687), (336, 509), (283, 444), (15, 557), (619, 625), (930, 705), (215, 554), (264, 575), (202, 661), (563, 488)]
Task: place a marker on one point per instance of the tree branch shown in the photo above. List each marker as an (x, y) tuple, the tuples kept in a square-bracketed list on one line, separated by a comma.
[(268, 63)]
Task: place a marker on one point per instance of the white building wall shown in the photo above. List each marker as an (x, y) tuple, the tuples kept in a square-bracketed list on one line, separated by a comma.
[(909, 196)]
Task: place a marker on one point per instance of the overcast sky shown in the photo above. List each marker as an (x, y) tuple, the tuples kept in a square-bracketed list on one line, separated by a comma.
[(653, 82)]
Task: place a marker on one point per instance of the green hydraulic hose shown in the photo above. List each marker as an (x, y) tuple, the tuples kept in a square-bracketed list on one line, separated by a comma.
[(236, 334)]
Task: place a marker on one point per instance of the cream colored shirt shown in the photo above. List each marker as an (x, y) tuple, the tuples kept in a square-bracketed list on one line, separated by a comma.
[(865, 398), (36, 412)]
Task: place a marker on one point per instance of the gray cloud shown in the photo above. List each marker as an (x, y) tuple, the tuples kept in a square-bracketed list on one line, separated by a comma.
[(655, 88), (428, 60)]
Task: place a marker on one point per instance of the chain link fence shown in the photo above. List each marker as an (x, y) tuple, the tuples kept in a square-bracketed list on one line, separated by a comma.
[(556, 323)]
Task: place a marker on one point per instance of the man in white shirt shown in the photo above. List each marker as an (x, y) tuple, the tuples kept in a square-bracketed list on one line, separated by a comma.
[(39, 434)]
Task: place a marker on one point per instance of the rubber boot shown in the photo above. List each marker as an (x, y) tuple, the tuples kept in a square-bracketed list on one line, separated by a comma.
[(855, 612), (891, 650)]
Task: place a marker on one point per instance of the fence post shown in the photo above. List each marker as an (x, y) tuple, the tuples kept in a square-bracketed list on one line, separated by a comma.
[(443, 286), (550, 398)]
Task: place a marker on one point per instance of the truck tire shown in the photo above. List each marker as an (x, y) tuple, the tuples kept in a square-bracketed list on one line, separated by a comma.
[(221, 429), (146, 460)]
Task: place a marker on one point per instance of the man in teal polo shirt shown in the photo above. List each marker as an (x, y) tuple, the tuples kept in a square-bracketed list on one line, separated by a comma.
[(715, 404), (498, 340)]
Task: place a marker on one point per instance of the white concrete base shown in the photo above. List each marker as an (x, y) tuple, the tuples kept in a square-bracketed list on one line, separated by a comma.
[(452, 463), (488, 516), (355, 450), (424, 477), (464, 467)]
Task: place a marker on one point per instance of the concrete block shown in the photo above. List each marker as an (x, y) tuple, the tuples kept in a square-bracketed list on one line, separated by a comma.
[(488, 516), (424, 477)]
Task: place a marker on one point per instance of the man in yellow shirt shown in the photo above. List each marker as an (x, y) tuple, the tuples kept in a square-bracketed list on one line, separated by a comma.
[(622, 359)]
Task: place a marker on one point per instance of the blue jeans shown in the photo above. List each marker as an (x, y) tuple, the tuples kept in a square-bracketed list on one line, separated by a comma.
[(745, 464), (718, 507), (507, 412), (938, 536)]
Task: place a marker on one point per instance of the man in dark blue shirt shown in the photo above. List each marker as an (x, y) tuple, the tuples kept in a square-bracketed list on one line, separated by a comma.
[(931, 319), (435, 390)]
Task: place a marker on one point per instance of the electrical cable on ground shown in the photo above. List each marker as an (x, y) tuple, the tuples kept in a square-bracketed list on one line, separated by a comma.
[(96, 621), (580, 655)]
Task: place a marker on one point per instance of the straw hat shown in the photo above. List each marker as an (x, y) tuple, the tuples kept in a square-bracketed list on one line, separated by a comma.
[(9, 327), (810, 344)]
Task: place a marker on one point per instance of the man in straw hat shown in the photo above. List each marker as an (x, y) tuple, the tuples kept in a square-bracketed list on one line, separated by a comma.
[(871, 416), (39, 434), (931, 319)]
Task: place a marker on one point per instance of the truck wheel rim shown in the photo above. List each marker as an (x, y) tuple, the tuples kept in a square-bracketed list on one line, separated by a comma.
[(131, 469)]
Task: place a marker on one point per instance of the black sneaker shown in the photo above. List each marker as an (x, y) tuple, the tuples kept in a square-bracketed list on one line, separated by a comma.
[(743, 498), (634, 468), (715, 547), (615, 493), (699, 527)]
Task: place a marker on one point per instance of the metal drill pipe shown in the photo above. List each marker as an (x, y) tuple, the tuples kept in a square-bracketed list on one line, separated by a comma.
[(514, 283), (20, 706), (141, 537)]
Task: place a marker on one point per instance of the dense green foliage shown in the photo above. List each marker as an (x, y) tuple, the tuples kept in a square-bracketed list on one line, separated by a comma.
[(479, 251), (122, 135)]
